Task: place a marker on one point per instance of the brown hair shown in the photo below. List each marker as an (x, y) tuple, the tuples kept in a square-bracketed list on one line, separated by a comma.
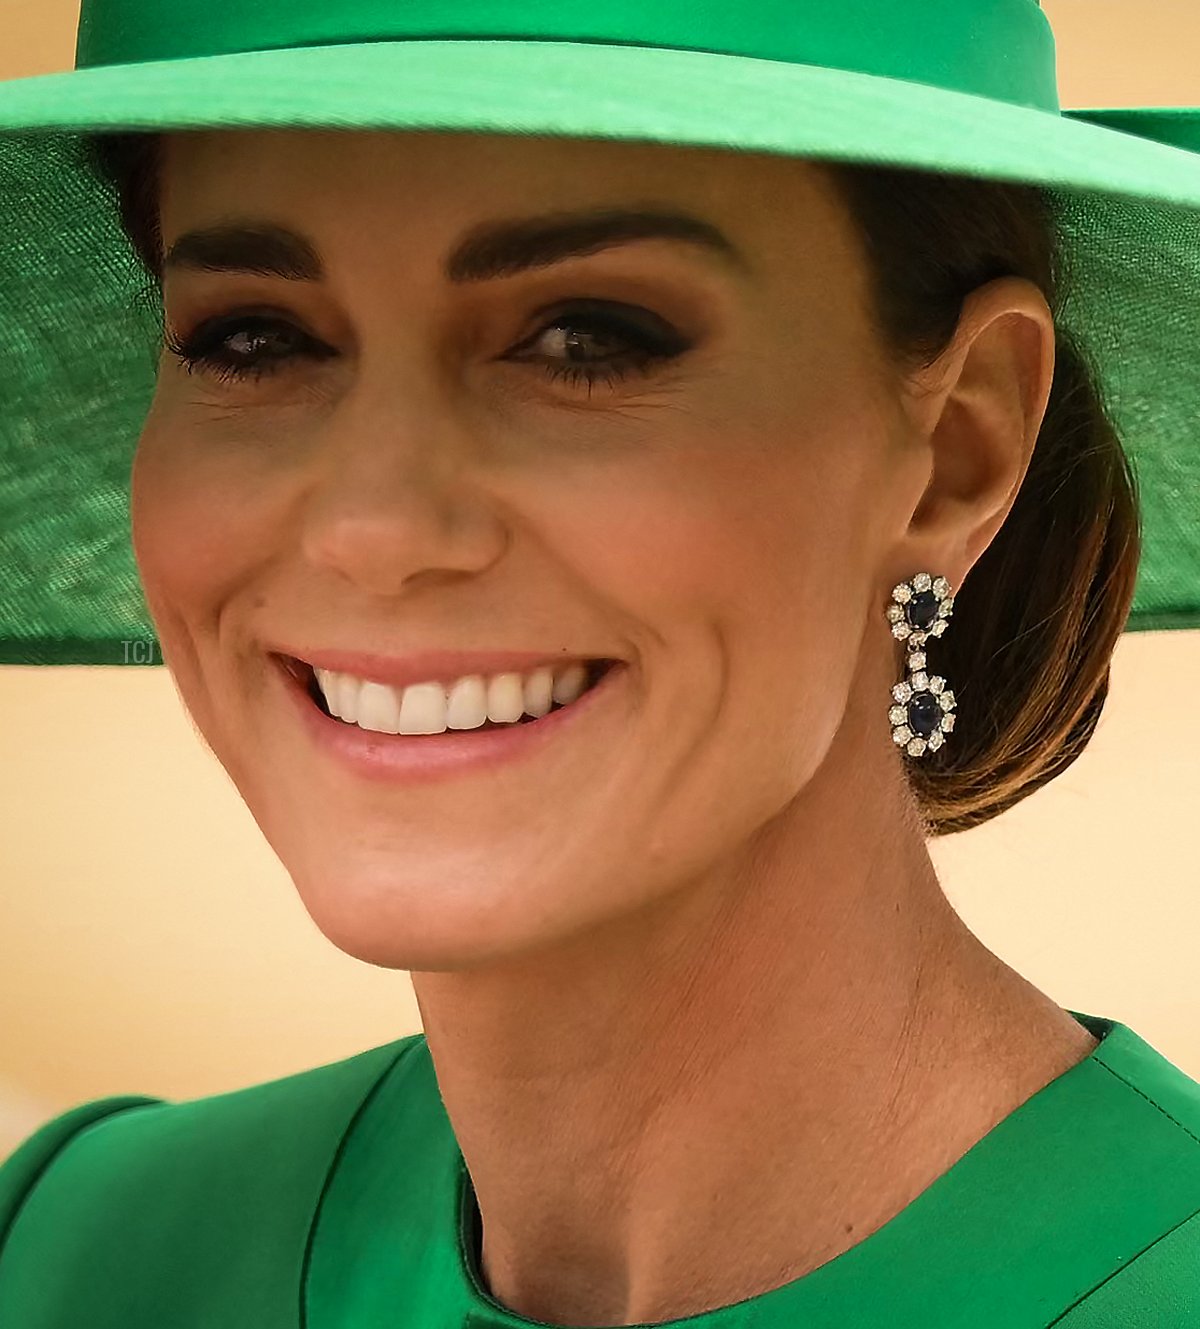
[(1036, 622)]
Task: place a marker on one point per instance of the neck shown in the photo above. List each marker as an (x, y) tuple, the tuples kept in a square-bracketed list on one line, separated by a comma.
[(789, 1050)]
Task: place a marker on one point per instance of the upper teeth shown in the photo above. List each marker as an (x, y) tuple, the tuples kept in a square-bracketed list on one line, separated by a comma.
[(431, 708)]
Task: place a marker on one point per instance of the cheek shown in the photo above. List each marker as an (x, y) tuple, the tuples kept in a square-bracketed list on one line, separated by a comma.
[(753, 535), (198, 533), (748, 557), (738, 560), (197, 525)]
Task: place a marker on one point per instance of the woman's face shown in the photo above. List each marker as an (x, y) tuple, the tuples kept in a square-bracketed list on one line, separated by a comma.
[(721, 510)]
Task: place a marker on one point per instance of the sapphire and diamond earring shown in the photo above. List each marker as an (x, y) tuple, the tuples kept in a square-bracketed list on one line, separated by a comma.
[(924, 713)]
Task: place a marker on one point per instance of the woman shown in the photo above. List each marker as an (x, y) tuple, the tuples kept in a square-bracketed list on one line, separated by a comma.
[(547, 535)]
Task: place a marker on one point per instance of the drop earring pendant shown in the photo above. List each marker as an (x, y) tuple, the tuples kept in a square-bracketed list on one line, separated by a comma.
[(923, 713)]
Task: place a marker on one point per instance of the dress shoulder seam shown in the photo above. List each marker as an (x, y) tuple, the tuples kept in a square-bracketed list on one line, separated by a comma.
[(1153, 1102)]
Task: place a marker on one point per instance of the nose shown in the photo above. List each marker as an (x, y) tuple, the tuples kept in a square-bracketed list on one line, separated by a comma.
[(399, 492)]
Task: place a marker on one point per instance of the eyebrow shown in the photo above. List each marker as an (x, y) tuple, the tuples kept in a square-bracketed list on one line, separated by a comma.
[(493, 249)]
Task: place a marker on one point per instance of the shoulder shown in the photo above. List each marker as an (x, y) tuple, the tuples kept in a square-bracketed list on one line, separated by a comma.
[(1142, 1184), (254, 1158)]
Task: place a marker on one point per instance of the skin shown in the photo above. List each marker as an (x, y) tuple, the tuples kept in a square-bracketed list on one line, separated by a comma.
[(701, 1015)]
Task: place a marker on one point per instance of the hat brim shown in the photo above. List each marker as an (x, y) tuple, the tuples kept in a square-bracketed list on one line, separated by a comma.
[(594, 90), (79, 344)]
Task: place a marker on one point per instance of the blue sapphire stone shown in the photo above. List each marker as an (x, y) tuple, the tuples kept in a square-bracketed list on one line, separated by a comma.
[(924, 714), (922, 609)]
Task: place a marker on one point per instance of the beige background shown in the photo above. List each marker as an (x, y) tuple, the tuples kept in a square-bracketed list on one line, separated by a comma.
[(150, 942)]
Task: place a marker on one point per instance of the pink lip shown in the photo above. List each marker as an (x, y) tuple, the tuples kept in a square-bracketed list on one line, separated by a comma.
[(412, 758), (426, 666)]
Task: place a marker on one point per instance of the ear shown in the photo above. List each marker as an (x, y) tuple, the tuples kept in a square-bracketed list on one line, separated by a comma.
[(978, 410)]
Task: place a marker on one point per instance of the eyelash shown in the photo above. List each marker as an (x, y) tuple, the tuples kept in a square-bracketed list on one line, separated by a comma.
[(202, 349)]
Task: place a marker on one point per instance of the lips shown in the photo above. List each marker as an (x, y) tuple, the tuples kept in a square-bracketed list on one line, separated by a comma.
[(404, 760)]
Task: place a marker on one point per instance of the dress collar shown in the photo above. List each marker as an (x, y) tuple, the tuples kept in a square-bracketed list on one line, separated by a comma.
[(1039, 1210)]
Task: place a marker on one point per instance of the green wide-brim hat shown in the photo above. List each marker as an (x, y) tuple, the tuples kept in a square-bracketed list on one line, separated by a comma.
[(962, 86)]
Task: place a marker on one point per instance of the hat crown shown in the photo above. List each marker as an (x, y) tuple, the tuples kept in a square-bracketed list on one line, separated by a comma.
[(1001, 49)]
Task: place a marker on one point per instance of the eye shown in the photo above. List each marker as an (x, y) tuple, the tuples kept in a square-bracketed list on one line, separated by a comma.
[(244, 346), (648, 340)]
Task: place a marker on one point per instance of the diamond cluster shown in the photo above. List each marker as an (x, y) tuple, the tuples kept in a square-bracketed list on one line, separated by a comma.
[(924, 713)]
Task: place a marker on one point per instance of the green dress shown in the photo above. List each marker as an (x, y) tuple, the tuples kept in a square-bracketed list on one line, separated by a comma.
[(338, 1199)]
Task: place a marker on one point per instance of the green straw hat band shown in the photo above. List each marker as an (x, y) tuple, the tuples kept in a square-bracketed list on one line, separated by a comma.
[(945, 43), (966, 87)]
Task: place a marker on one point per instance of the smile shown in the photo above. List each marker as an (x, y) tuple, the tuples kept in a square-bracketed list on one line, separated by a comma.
[(449, 734), (475, 701)]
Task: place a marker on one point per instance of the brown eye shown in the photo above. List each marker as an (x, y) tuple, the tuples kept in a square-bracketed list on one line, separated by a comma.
[(244, 346), (647, 341)]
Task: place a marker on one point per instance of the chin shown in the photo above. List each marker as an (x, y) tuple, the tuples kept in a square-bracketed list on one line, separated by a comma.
[(410, 921)]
